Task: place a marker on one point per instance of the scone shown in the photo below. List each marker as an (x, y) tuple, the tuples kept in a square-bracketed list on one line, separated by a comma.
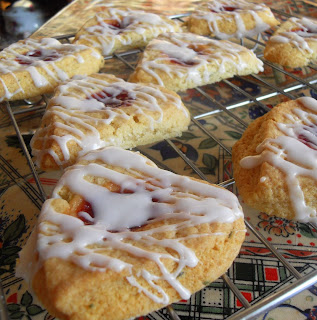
[(121, 238), (180, 61), (113, 30), (100, 110), (226, 19), (275, 161), (294, 44), (33, 67)]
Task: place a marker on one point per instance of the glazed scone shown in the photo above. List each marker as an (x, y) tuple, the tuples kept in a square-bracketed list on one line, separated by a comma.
[(275, 161), (294, 44), (122, 238), (180, 61), (226, 19), (114, 29), (33, 67), (101, 110)]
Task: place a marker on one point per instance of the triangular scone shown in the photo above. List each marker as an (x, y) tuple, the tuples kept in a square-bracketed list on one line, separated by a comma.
[(122, 238), (275, 161), (32, 67), (294, 44), (114, 30), (102, 110), (231, 18), (180, 61)]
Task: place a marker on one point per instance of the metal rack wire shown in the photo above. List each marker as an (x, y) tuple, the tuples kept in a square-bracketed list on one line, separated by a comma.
[(38, 196)]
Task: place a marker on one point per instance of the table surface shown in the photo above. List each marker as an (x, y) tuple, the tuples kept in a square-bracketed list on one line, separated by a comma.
[(256, 272)]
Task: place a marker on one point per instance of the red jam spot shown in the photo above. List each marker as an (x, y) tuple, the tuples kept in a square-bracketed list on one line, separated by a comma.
[(114, 23), (123, 99), (128, 191), (86, 207), (183, 63), (306, 141), (38, 55), (199, 49), (225, 8), (297, 30)]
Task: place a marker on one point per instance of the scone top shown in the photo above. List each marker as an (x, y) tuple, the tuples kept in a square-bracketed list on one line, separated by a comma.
[(115, 29), (282, 169), (186, 60), (91, 112), (297, 31), (231, 18), (114, 199), (32, 67)]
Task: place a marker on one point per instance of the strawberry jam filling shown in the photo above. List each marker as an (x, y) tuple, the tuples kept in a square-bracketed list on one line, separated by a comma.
[(199, 49), (86, 207), (38, 55), (183, 63), (123, 99), (224, 8), (116, 26), (303, 32), (306, 140), (114, 23)]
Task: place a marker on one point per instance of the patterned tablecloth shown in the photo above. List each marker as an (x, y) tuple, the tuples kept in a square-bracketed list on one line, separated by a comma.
[(256, 272)]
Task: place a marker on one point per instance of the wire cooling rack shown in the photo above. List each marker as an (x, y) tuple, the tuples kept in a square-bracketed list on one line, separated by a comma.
[(203, 114)]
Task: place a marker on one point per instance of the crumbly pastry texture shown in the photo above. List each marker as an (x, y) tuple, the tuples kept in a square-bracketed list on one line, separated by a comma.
[(100, 110), (122, 238), (180, 61), (275, 161), (294, 44), (226, 19), (32, 67), (115, 29)]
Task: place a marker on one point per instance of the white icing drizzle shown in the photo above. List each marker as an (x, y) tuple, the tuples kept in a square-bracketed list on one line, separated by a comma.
[(191, 64), (301, 38), (213, 11), (76, 106), (263, 179), (104, 36), (153, 194), (28, 55), (295, 154)]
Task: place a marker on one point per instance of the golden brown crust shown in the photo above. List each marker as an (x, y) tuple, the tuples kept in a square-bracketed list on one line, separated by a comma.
[(270, 194)]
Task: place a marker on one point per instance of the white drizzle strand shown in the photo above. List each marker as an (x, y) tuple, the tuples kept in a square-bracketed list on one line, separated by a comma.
[(28, 55), (303, 31), (76, 106), (191, 63), (214, 11), (293, 157), (104, 35), (178, 199)]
